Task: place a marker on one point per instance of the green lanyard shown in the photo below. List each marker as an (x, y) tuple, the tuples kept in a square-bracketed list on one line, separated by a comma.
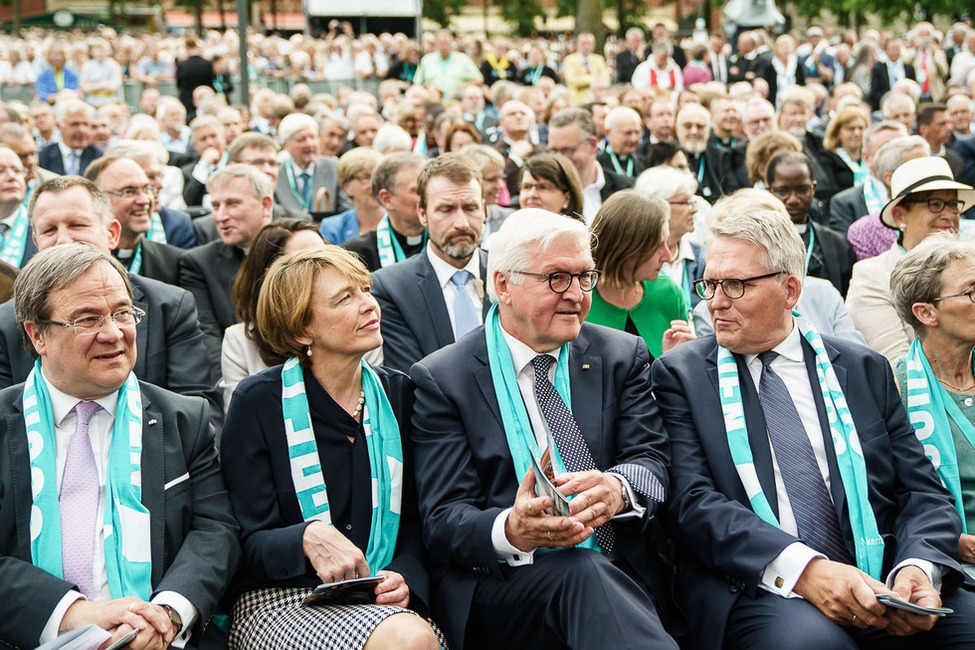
[(305, 195), (616, 163)]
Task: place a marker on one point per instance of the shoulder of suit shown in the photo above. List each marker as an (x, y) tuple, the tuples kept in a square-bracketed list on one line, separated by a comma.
[(155, 291), (164, 399)]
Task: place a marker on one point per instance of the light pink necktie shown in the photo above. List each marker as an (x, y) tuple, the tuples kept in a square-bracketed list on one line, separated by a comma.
[(79, 504)]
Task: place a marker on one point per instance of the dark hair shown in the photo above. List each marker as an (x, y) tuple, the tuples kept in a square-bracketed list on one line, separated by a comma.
[(787, 158), (266, 247), (926, 115), (661, 153), (456, 167), (466, 127), (559, 170)]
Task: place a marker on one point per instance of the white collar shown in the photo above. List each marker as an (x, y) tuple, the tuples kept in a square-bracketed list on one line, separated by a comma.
[(521, 354), (62, 404), (790, 347), (66, 150), (600, 181), (685, 250), (445, 271)]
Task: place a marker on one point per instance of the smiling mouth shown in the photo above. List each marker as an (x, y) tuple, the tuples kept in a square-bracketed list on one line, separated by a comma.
[(110, 356)]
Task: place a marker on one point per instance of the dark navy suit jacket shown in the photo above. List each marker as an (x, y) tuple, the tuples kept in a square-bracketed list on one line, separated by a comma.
[(414, 319), (465, 474), (724, 545), (178, 227), (50, 158)]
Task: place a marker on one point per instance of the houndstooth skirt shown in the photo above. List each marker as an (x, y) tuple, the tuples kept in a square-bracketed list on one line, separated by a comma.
[(270, 619)]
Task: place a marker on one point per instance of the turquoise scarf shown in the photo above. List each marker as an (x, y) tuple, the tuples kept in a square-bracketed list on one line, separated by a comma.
[(388, 246), (156, 231), (929, 406), (514, 417), (385, 459), (15, 242), (129, 569), (846, 444), (860, 170)]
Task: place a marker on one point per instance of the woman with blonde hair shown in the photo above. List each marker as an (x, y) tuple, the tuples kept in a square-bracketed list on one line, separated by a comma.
[(842, 153), (762, 148)]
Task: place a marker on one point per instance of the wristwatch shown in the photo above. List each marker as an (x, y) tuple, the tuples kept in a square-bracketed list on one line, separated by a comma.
[(626, 497), (174, 618)]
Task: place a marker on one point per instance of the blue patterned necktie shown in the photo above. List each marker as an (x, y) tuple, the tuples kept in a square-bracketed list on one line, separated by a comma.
[(812, 506), (75, 164), (465, 312), (306, 187)]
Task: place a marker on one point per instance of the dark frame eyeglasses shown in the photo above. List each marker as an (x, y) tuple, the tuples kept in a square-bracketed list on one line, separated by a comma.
[(970, 294), (128, 317), (937, 206), (783, 193), (560, 281), (732, 288)]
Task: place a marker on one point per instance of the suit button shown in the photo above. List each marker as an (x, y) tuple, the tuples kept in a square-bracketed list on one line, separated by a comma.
[(734, 589), (348, 526)]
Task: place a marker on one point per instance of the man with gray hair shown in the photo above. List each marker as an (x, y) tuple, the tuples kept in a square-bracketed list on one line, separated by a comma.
[(870, 196), (868, 235), (208, 154), (512, 568), (659, 73), (624, 128), (572, 134), (790, 462), (307, 183), (93, 459), (74, 152), (242, 197)]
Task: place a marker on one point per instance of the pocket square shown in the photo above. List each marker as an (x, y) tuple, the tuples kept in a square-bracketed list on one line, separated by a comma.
[(176, 481)]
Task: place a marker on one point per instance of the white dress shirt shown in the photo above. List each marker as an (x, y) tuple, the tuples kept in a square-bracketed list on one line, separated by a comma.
[(100, 433), (781, 574), (66, 156), (446, 271), (521, 357), (592, 199)]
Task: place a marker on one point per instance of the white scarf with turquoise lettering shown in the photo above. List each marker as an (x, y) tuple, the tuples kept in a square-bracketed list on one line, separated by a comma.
[(385, 459), (129, 569), (846, 444), (15, 242)]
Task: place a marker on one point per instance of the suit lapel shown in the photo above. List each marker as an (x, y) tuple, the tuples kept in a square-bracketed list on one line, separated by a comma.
[(486, 301), (485, 382), (20, 487), (586, 380), (153, 473), (141, 332), (757, 435), (432, 294), (835, 480)]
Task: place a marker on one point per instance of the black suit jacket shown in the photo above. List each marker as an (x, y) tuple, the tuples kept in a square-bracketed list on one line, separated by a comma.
[(414, 320), (614, 183), (169, 343), (626, 63), (717, 178), (833, 257), (724, 545), (50, 158), (465, 474), (846, 207), (160, 262), (192, 72), (880, 81), (193, 190), (192, 531), (606, 161), (965, 149), (208, 273)]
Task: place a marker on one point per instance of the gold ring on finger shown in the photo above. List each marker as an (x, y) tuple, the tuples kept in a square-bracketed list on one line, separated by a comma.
[(854, 619), (550, 538)]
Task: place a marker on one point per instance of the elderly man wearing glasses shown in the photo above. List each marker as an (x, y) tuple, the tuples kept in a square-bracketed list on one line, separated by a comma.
[(16, 244), (536, 380), (801, 501), (131, 195)]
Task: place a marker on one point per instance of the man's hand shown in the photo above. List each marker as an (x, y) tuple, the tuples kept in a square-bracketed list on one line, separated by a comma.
[(211, 156), (843, 593), (521, 149), (528, 527), (599, 496), (912, 585), (966, 548), (120, 616), (392, 590), (332, 554)]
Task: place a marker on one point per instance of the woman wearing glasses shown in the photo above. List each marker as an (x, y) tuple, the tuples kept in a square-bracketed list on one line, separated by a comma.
[(317, 462), (630, 232), (925, 199), (933, 290), (550, 181)]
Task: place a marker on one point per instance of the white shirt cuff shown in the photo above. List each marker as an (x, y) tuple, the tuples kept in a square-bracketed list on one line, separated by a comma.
[(933, 571), (636, 510), (201, 172), (505, 550), (50, 631), (187, 614), (781, 574)]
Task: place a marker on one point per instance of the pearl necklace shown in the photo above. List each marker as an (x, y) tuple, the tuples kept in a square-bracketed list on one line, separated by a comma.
[(358, 406)]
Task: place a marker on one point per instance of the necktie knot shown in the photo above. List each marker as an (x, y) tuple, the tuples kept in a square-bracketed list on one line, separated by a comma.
[(461, 278), (767, 357), (85, 410), (542, 363), (305, 176)]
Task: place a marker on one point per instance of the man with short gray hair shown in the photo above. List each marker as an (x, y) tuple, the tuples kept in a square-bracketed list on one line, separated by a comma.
[(787, 463), (624, 128), (242, 197), (307, 183), (86, 442), (74, 152)]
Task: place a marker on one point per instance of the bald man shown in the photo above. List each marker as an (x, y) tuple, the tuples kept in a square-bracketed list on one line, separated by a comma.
[(624, 127)]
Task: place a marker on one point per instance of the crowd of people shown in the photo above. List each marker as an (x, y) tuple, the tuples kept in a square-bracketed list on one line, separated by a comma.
[(668, 345)]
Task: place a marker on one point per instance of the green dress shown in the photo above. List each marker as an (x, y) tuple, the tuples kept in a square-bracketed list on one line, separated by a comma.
[(963, 448), (663, 301)]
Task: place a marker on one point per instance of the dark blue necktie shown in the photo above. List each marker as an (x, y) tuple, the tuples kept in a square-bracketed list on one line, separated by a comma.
[(811, 504)]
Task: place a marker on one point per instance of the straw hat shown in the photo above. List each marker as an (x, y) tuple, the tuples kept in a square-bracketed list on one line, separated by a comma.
[(923, 175)]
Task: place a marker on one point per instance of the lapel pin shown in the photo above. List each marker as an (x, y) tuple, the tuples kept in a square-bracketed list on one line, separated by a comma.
[(585, 366), (152, 421)]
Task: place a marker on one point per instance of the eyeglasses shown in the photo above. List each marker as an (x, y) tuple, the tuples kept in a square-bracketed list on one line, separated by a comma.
[(566, 151), (539, 187), (132, 192), (263, 162), (732, 288), (16, 171), (937, 206), (782, 193), (560, 281), (127, 317), (970, 294)]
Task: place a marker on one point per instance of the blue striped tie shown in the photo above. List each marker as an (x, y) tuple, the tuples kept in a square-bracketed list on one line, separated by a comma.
[(811, 504)]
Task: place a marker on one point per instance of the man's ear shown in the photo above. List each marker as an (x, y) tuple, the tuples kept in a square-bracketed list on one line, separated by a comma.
[(34, 334)]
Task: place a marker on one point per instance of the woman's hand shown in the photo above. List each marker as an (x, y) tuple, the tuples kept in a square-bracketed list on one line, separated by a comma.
[(679, 332), (392, 590), (332, 554)]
